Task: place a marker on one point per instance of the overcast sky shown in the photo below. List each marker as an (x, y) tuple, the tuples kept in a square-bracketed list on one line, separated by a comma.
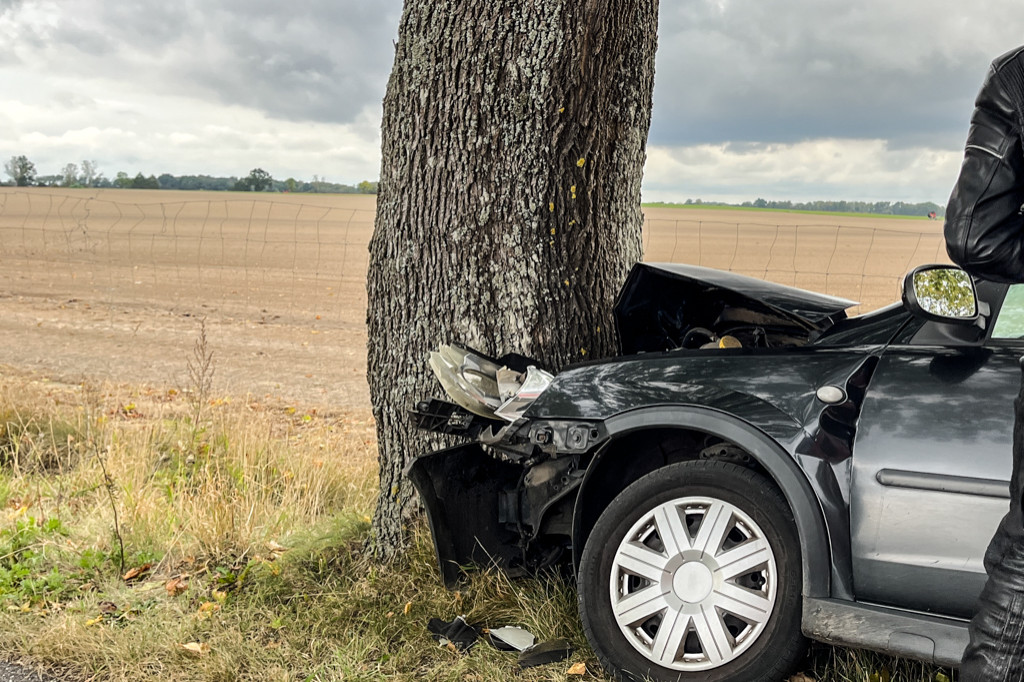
[(781, 99)]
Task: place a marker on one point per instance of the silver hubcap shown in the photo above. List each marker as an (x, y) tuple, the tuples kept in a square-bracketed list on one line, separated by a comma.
[(693, 583)]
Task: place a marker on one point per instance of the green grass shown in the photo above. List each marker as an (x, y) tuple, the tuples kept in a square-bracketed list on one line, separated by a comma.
[(753, 209), (253, 533)]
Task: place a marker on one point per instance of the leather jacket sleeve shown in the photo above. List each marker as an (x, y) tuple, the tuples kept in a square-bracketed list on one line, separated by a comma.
[(984, 226)]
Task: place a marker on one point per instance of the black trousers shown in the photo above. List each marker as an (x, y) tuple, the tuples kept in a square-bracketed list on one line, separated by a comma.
[(996, 650)]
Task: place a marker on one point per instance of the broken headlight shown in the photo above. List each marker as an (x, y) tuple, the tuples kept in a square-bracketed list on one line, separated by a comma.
[(484, 387)]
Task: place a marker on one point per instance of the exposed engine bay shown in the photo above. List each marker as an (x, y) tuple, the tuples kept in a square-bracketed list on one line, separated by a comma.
[(668, 307)]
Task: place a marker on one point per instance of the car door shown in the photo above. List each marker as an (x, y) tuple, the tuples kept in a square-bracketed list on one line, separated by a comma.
[(932, 460)]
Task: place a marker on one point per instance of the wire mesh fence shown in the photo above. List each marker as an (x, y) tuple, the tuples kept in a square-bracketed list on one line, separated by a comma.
[(285, 257), (862, 261), (112, 281)]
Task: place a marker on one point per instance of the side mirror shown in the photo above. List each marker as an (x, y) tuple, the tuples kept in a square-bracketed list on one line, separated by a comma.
[(941, 292)]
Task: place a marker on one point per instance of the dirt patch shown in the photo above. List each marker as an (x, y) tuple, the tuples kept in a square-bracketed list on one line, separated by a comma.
[(111, 284)]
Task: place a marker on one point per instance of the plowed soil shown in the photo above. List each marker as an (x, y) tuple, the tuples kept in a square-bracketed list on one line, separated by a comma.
[(112, 285)]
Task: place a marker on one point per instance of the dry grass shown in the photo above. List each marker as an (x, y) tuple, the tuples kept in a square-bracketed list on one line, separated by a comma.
[(247, 474), (261, 513)]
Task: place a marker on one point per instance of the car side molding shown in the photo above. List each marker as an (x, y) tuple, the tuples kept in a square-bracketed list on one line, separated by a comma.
[(932, 639), (944, 483)]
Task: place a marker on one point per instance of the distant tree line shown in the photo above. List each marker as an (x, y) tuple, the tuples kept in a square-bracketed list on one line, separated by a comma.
[(22, 173), (878, 207)]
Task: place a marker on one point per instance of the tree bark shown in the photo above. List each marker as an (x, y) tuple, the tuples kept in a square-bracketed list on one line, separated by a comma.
[(508, 210)]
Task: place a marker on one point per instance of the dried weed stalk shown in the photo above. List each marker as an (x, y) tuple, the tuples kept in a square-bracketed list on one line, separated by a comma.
[(92, 406), (200, 377)]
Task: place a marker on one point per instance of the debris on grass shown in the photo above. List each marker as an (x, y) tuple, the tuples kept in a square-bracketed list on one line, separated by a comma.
[(551, 651), (511, 638), (457, 633)]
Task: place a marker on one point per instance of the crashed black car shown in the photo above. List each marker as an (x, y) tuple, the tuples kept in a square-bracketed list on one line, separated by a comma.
[(754, 469)]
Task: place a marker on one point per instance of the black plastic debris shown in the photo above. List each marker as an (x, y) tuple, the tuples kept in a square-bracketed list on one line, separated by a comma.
[(462, 636), (458, 632), (551, 651)]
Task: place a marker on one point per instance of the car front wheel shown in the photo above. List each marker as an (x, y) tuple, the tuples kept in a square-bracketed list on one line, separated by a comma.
[(693, 573)]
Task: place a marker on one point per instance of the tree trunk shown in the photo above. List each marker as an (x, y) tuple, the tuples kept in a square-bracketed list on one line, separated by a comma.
[(508, 210)]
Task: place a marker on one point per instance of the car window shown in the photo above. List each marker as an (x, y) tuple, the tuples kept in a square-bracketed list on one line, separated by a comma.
[(1010, 323)]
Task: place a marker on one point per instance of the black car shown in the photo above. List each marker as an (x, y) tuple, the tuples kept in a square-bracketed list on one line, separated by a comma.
[(756, 467)]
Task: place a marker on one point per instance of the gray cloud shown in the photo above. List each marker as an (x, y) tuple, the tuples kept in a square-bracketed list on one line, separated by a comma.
[(751, 97), (790, 70), (321, 60), (728, 70)]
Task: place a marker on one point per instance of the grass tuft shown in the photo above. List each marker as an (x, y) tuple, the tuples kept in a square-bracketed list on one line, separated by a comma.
[(38, 442)]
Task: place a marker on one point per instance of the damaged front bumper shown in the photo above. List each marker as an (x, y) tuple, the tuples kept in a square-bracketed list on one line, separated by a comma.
[(467, 498), (506, 499), (487, 511)]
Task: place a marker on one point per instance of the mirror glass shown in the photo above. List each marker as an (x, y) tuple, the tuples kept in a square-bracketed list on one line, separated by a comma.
[(946, 292)]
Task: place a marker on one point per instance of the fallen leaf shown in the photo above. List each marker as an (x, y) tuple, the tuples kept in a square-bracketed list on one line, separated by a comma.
[(136, 572), (577, 669), (175, 586), (196, 648), (408, 607), (207, 608), (94, 621)]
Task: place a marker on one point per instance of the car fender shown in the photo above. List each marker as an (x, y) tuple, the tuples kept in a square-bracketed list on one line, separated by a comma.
[(807, 512)]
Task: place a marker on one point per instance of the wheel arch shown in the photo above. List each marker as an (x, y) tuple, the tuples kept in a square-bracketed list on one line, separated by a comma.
[(634, 433)]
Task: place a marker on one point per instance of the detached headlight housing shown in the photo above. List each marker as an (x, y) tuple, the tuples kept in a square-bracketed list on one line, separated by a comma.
[(484, 387)]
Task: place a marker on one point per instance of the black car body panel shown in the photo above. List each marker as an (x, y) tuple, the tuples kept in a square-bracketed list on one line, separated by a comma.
[(461, 489), (881, 474)]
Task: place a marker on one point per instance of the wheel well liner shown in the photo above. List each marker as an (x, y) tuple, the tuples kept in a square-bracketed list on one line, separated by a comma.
[(649, 425)]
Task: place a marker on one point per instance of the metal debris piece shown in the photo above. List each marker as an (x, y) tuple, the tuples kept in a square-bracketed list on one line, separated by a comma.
[(511, 638)]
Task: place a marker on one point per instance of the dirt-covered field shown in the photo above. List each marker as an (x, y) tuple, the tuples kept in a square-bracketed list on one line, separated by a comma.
[(112, 284)]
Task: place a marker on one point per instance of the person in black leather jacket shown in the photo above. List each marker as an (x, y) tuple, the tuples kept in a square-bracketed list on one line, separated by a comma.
[(984, 232)]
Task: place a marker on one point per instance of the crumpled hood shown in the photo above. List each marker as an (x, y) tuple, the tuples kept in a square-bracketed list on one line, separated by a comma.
[(660, 302)]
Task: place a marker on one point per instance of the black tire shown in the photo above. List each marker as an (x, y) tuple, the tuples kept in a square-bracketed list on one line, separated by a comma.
[(764, 647)]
